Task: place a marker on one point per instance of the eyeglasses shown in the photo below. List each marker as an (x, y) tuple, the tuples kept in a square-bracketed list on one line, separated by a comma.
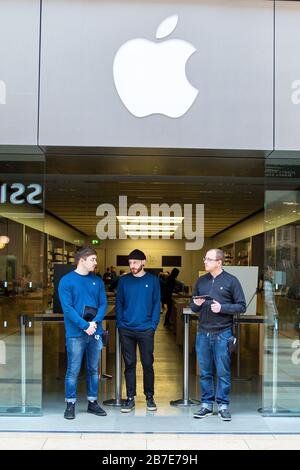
[(210, 259)]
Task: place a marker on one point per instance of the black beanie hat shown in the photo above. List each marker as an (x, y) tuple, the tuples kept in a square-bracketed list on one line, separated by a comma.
[(137, 254)]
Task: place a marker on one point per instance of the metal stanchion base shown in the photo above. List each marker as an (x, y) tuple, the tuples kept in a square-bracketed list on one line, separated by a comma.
[(274, 411), (184, 403), (28, 410), (114, 402)]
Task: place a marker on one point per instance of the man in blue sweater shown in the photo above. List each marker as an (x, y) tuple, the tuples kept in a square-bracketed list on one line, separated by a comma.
[(82, 293), (138, 314), (217, 296)]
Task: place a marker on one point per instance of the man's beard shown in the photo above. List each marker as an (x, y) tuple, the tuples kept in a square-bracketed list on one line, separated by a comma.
[(137, 270)]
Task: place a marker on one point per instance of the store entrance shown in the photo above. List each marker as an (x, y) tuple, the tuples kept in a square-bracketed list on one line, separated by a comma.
[(79, 188), (23, 293)]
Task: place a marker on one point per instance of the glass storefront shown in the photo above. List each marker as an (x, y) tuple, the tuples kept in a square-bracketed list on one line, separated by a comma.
[(22, 283), (28, 254), (282, 287)]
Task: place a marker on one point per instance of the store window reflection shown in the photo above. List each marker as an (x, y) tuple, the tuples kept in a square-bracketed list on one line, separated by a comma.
[(22, 287), (282, 291), (21, 292)]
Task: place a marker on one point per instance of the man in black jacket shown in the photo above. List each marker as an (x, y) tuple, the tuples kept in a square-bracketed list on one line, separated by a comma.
[(217, 296)]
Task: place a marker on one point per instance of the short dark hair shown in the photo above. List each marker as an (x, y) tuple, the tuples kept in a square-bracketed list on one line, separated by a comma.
[(84, 252), (174, 272)]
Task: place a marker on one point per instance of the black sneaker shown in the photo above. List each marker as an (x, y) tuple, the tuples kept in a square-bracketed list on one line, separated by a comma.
[(128, 405), (224, 414), (151, 405), (70, 411), (203, 413), (95, 409)]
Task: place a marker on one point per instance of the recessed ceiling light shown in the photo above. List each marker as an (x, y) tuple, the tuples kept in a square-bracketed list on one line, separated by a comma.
[(150, 227), (159, 234), (150, 219)]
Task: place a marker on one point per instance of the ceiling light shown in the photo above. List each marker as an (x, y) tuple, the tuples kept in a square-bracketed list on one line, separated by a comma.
[(138, 233), (150, 227), (149, 219)]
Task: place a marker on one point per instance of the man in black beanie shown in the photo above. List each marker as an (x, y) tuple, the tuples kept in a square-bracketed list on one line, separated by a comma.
[(137, 316)]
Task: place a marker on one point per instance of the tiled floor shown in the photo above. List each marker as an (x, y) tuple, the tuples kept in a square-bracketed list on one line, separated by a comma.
[(110, 442)]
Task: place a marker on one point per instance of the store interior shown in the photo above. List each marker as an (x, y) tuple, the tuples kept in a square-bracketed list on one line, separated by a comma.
[(232, 189)]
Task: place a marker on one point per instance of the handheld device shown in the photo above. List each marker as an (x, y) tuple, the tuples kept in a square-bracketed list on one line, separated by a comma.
[(204, 296), (89, 313)]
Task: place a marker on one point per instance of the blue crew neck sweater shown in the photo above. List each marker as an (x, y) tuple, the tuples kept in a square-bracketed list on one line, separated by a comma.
[(75, 291), (138, 302)]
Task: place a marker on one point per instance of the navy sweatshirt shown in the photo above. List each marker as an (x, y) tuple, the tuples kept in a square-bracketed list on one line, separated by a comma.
[(76, 291), (138, 302), (225, 289)]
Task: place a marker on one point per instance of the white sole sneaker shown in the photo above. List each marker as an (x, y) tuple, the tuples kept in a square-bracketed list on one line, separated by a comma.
[(125, 410), (224, 419), (202, 417)]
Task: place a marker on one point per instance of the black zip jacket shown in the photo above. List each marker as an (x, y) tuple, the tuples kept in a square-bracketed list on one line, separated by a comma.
[(225, 289)]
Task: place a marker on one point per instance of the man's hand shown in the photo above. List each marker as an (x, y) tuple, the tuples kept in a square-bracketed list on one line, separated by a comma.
[(215, 307), (91, 329), (199, 302)]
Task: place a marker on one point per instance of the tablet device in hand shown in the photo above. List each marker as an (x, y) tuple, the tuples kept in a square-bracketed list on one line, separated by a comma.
[(89, 313), (204, 296)]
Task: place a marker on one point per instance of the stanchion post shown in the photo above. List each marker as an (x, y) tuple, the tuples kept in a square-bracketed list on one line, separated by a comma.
[(117, 401), (238, 350), (23, 319), (118, 370), (274, 408), (24, 408), (185, 401), (275, 364)]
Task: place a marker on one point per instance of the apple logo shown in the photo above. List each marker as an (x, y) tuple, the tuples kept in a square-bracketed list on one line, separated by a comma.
[(150, 76)]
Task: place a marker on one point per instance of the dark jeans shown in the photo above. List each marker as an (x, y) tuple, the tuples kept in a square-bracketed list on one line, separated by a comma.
[(145, 341), (212, 350), (76, 347)]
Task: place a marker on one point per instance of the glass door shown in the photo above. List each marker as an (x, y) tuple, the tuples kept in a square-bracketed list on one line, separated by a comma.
[(282, 288), (22, 283)]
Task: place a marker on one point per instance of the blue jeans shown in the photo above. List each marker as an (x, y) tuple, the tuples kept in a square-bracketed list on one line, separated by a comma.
[(212, 350), (76, 347)]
